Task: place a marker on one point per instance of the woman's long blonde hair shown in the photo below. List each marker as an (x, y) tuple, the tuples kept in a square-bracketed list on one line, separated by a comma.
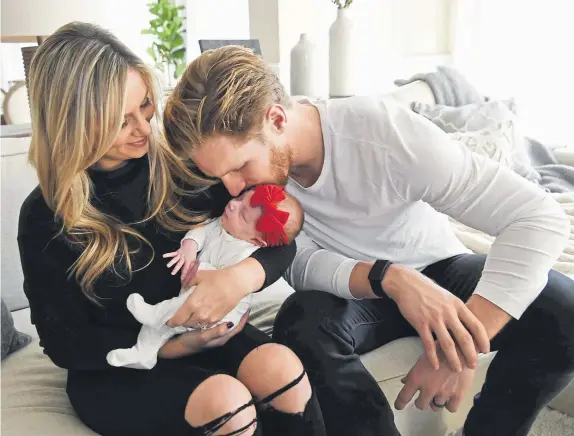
[(77, 95)]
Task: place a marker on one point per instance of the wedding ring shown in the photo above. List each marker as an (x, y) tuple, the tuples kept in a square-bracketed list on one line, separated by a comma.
[(440, 406), (201, 327)]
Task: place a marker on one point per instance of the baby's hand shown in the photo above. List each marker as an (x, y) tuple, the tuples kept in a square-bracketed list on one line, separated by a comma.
[(185, 257)]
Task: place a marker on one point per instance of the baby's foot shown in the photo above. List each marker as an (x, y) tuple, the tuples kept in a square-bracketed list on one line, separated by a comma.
[(143, 312)]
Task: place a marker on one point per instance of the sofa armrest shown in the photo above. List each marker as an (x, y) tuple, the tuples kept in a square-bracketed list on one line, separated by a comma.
[(22, 322), (565, 155)]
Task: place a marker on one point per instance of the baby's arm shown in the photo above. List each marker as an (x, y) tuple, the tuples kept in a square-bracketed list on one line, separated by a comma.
[(201, 234), (185, 257)]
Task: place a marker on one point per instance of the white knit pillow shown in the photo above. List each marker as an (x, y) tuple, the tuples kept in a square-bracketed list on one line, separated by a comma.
[(495, 142), (479, 124)]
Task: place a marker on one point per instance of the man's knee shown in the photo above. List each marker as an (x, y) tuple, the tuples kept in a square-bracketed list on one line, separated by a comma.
[(221, 405), (275, 375), (551, 318), (302, 314)]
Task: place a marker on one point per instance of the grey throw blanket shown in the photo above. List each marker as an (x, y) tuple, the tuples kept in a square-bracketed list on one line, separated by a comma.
[(451, 88), (554, 177)]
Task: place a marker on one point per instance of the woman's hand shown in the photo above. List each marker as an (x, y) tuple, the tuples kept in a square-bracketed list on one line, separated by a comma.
[(432, 309), (198, 340), (217, 292), (438, 388)]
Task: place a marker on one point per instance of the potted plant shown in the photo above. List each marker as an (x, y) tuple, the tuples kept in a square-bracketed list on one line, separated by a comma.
[(342, 4), (168, 46), (341, 63)]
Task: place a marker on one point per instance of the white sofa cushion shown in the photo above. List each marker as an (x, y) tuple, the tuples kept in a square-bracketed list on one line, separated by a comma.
[(34, 399)]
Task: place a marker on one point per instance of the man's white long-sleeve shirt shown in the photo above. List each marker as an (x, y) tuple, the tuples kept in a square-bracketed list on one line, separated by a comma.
[(389, 179)]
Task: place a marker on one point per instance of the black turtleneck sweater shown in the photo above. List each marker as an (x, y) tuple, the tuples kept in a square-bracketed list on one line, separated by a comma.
[(76, 333)]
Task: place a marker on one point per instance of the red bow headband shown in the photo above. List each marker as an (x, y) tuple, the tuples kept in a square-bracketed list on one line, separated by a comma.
[(272, 221)]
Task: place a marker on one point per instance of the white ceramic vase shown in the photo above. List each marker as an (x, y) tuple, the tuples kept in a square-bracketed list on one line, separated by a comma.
[(303, 67), (341, 61)]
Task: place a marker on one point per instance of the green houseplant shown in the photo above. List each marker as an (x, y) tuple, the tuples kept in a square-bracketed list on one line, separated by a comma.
[(167, 29), (342, 4)]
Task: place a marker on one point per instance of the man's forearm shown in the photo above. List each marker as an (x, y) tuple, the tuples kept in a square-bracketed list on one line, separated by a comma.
[(359, 281), (361, 286), (492, 317)]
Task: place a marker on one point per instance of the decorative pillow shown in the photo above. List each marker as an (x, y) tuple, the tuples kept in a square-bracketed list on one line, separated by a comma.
[(12, 339), (470, 117), (489, 116), (495, 143)]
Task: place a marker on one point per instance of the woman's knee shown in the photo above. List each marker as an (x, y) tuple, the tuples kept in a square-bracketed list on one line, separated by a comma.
[(221, 405), (275, 376)]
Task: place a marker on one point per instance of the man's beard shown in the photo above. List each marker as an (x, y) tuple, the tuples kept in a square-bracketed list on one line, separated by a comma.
[(280, 164)]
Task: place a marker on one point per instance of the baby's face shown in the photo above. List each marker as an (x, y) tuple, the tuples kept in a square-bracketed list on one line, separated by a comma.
[(239, 219)]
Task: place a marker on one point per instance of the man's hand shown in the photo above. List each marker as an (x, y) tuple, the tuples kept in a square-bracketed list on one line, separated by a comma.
[(431, 309), (441, 387), (185, 257)]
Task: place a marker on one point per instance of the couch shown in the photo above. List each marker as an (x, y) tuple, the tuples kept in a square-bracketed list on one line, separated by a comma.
[(33, 393)]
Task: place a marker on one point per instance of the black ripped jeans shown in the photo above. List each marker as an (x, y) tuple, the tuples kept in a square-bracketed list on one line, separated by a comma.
[(535, 358), (126, 402)]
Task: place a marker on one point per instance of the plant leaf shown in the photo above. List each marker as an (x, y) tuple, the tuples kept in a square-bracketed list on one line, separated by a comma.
[(178, 54), (177, 41), (151, 52), (179, 69)]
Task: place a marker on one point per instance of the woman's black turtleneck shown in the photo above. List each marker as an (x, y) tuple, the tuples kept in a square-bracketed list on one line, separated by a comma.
[(76, 333)]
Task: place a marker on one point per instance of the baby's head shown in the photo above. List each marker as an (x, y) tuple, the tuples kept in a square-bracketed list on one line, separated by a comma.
[(258, 215)]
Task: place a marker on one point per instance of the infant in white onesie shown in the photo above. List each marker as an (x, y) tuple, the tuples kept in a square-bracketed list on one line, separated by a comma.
[(255, 221)]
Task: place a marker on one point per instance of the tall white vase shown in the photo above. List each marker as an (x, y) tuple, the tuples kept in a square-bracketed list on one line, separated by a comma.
[(303, 67), (341, 61)]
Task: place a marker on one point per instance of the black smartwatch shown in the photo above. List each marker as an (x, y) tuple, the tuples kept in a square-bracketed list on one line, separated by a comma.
[(376, 276)]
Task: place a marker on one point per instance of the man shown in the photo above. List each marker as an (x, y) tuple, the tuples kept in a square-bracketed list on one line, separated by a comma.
[(378, 259)]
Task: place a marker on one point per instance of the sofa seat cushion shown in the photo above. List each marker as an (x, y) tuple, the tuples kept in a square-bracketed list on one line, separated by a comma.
[(34, 399)]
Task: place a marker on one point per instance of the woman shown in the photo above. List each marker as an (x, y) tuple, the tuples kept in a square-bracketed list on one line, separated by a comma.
[(109, 204)]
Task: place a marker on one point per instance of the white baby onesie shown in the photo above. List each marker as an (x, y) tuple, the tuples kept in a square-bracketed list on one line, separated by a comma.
[(216, 249)]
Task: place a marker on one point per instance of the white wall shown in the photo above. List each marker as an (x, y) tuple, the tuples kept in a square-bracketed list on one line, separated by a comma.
[(394, 38), (215, 19), (125, 18)]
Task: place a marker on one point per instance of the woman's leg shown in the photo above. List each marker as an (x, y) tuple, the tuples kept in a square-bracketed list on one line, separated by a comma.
[(221, 405), (161, 401), (275, 376)]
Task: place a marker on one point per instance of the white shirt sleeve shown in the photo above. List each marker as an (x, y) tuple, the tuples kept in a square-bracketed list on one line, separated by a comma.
[(530, 227), (317, 269), (201, 233)]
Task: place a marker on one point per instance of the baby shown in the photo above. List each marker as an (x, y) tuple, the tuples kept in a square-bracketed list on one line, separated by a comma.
[(261, 217)]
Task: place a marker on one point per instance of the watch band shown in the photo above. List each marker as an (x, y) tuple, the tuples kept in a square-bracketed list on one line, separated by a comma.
[(376, 276)]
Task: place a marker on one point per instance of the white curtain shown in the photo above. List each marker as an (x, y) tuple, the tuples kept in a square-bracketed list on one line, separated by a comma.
[(525, 50)]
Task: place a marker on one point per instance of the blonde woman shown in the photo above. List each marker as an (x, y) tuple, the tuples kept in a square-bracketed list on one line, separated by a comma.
[(112, 199)]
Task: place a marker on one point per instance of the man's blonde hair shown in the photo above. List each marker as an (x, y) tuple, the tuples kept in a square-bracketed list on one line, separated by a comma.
[(223, 91)]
